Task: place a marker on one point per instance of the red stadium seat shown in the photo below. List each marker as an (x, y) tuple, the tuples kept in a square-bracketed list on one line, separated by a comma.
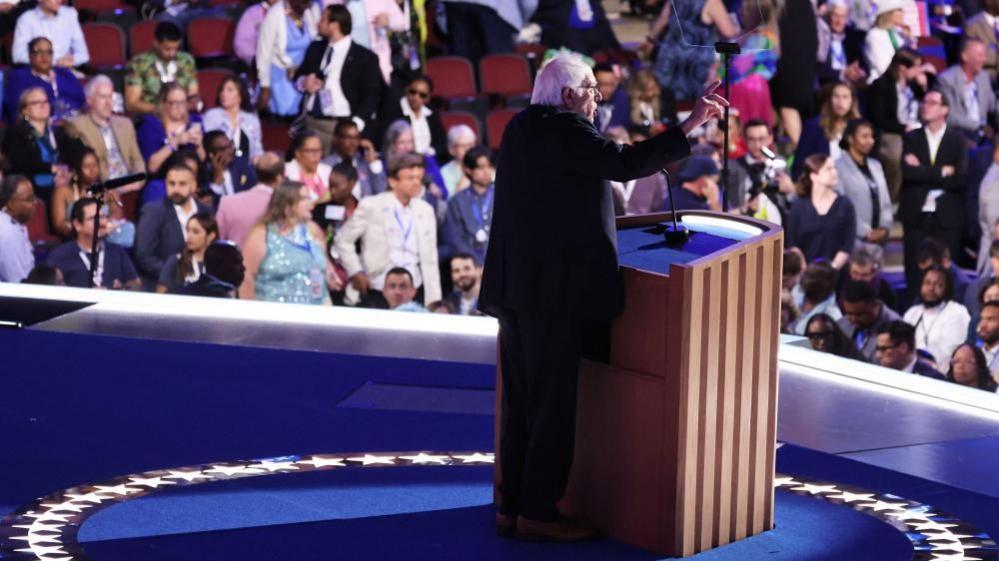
[(106, 43), (452, 118), (453, 77), (130, 205), (496, 123), (505, 75), (38, 226), (275, 136), (208, 84), (141, 37), (210, 37)]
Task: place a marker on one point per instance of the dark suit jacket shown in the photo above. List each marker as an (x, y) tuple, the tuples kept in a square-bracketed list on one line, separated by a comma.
[(924, 369), (159, 234), (918, 180), (853, 47), (882, 104), (813, 141), (552, 247), (361, 78), (25, 157), (243, 177)]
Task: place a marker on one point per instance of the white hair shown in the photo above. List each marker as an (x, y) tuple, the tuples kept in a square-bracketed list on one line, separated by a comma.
[(560, 72), (92, 85), (459, 131)]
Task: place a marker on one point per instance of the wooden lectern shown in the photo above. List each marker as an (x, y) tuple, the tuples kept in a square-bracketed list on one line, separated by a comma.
[(675, 438)]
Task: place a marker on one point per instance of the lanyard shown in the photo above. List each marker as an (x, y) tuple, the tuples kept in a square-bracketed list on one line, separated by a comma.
[(481, 207), (99, 273), (406, 229), (927, 330), (298, 233)]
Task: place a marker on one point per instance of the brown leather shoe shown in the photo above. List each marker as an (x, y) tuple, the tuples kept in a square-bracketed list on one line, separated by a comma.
[(562, 530), (506, 526)]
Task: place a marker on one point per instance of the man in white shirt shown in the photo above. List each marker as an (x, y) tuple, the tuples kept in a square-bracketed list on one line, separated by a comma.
[(61, 25), (941, 324), (17, 205)]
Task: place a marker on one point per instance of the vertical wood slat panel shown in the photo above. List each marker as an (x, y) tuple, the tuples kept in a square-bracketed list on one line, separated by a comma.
[(773, 282), (746, 354), (763, 392), (726, 401), (689, 442), (709, 410)]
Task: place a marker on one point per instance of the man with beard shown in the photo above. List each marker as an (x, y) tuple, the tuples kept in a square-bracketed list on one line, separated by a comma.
[(988, 334), (114, 268), (466, 275), (162, 228), (17, 206), (941, 324), (863, 314)]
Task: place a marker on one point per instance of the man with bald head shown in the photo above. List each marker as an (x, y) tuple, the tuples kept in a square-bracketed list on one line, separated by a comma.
[(238, 213), (968, 90)]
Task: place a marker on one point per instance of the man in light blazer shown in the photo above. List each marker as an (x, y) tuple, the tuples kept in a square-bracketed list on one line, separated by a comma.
[(396, 229), (983, 27), (99, 126), (969, 91), (237, 214)]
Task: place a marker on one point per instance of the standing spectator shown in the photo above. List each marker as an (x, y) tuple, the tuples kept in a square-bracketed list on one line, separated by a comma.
[(841, 47), (645, 101), (57, 23), (114, 268), (893, 104), (349, 147), (862, 181), (340, 78), (285, 253), (646, 194), (460, 139), (17, 206), (763, 174), (896, 349), (223, 173), (396, 229), (863, 314), (753, 69), (162, 229), (613, 110), (969, 367), (941, 324), (375, 19), (818, 284), (303, 165), (469, 213), (865, 266), (186, 267), (163, 64), (482, 27), (886, 37), (983, 28), (823, 134), (932, 201), (288, 29), (792, 84), (466, 276), (968, 90), (698, 179), (247, 33), (987, 331), (236, 117), (112, 137), (821, 223), (428, 132), (61, 86), (825, 335), (399, 291), (163, 133), (237, 214)]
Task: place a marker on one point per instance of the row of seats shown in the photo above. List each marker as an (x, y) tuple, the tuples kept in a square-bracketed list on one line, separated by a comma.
[(206, 38), (501, 75), (105, 6)]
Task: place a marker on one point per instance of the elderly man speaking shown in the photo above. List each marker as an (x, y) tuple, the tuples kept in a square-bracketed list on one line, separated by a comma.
[(551, 274)]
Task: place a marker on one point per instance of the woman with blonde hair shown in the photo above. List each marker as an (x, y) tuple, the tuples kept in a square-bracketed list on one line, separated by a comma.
[(886, 37), (644, 100), (823, 133)]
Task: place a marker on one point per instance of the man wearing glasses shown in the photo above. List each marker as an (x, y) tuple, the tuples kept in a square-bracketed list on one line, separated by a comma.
[(17, 205), (61, 87), (60, 24), (896, 348)]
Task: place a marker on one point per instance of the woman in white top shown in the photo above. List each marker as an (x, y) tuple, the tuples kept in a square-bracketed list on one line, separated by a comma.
[(236, 118), (304, 166), (887, 36), (460, 139), (941, 323)]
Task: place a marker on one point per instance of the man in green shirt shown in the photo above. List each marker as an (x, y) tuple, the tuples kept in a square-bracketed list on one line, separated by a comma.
[(148, 71)]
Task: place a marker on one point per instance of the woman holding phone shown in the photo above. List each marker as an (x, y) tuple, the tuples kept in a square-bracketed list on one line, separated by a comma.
[(162, 133)]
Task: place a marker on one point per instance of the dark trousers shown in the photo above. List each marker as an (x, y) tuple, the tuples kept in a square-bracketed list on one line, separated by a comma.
[(930, 226), (477, 31), (540, 359)]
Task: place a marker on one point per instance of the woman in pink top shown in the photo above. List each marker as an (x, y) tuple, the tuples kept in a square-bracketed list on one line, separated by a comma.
[(304, 165)]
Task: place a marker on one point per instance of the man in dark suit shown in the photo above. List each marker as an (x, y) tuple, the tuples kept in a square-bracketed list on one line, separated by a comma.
[(896, 349), (224, 173), (551, 272), (933, 169), (340, 78), (162, 227), (841, 47)]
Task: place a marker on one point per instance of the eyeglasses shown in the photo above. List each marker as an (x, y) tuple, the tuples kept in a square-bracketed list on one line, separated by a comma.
[(421, 93)]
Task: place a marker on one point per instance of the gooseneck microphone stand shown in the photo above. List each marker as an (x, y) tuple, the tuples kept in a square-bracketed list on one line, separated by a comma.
[(676, 233)]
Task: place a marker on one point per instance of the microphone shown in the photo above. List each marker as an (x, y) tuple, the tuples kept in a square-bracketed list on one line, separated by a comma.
[(676, 234), (102, 186)]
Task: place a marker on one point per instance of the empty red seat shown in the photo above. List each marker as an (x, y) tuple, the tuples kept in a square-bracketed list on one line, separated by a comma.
[(496, 122), (106, 43), (275, 136), (505, 75), (141, 37), (208, 84), (452, 118), (210, 37), (38, 226), (453, 77)]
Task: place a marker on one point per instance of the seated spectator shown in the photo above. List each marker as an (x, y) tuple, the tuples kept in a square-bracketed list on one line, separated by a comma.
[(400, 292), (788, 311), (987, 191), (85, 172), (348, 146), (893, 104), (114, 267), (17, 206), (862, 180), (382, 17), (469, 213), (428, 132), (247, 33), (187, 266), (441, 307), (168, 130), (982, 27), (934, 252), (237, 214), (162, 229), (821, 223), (234, 116), (224, 174), (973, 293), (45, 275), (398, 143), (613, 110), (304, 165), (941, 324), (969, 367), (865, 266), (698, 179), (841, 47), (345, 191), (460, 139), (968, 90), (407, 238), (112, 137), (466, 275), (863, 314), (285, 253), (645, 101), (987, 331), (886, 37), (818, 287), (825, 336), (285, 34), (56, 23), (150, 71), (792, 268), (824, 133), (896, 349), (644, 195), (61, 87), (34, 147), (223, 274)]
